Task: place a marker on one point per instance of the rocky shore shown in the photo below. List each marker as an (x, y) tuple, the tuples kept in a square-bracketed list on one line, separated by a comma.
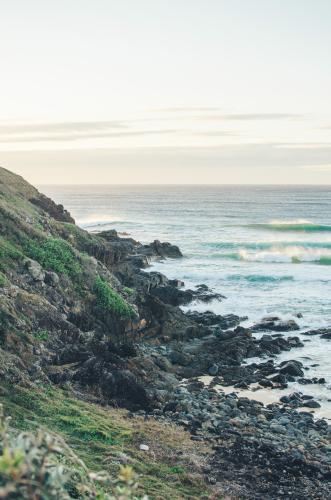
[(83, 312)]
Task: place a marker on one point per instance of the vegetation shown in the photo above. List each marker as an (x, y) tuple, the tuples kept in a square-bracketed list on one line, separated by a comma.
[(105, 439), (55, 254), (110, 301), (3, 279), (41, 335), (8, 252), (41, 465)]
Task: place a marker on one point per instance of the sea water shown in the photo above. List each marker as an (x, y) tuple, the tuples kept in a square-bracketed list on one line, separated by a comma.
[(266, 248)]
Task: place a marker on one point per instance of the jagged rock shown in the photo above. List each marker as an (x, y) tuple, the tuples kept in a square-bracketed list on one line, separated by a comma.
[(166, 249)]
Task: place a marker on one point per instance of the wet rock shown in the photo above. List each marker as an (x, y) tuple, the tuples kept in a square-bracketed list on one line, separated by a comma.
[(311, 404), (166, 249), (275, 324), (292, 367)]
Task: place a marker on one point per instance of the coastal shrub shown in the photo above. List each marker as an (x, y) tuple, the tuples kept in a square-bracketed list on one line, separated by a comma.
[(110, 301), (55, 254)]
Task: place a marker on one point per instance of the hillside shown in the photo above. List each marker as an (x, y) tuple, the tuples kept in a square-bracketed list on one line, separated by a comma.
[(67, 332)]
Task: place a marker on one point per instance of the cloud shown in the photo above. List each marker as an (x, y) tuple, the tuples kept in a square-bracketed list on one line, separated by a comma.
[(67, 137), (60, 127), (317, 168), (229, 116), (250, 117), (265, 156), (214, 133), (187, 109)]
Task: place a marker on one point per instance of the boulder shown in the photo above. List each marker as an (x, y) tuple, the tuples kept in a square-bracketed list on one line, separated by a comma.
[(292, 367), (35, 270)]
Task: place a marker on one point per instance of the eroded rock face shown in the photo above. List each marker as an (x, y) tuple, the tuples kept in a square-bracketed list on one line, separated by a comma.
[(58, 212)]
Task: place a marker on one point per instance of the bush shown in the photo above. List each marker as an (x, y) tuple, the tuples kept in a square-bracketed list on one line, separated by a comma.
[(55, 254), (110, 301)]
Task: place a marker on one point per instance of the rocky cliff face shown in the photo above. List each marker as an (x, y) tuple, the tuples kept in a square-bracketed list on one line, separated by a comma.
[(75, 306)]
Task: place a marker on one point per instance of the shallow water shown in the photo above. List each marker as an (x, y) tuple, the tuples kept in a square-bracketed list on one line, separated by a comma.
[(267, 249)]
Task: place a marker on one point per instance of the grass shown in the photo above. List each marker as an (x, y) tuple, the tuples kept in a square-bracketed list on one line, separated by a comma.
[(110, 301), (56, 255), (104, 438), (8, 253)]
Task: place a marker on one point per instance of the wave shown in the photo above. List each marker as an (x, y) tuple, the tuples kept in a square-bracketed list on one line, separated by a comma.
[(265, 245), (295, 225), (293, 255), (259, 278)]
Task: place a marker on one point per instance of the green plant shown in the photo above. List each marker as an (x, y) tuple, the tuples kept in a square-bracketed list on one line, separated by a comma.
[(129, 291), (41, 335), (55, 254), (110, 301)]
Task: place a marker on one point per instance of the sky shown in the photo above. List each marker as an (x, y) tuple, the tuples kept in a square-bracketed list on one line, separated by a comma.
[(176, 91)]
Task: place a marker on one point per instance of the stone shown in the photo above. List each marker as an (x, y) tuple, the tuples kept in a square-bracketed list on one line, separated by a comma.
[(144, 447), (213, 370), (292, 368), (35, 270), (51, 278)]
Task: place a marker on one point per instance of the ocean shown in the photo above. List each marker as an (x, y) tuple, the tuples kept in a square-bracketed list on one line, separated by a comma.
[(266, 248)]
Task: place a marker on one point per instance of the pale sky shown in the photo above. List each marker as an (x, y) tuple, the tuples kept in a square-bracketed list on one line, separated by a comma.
[(166, 91)]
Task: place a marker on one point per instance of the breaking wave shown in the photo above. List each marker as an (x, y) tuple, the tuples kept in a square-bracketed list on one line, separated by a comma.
[(295, 225)]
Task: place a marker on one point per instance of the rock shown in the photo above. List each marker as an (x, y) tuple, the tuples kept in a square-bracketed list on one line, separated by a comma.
[(144, 447), (292, 368), (179, 358), (311, 404), (275, 324), (51, 278), (213, 370), (35, 270), (266, 383), (166, 249)]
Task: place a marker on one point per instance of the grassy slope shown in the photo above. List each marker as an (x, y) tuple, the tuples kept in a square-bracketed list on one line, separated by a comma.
[(105, 438)]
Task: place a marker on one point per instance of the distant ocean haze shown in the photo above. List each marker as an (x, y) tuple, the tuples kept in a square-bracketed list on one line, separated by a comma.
[(266, 248)]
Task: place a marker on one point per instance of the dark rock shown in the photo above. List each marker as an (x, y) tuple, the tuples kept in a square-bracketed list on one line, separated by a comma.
[(291, 367)]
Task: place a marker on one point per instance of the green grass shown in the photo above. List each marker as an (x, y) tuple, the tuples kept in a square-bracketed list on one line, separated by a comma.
[(101, 436), (56, 255), (8, 253), (110, 301)]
